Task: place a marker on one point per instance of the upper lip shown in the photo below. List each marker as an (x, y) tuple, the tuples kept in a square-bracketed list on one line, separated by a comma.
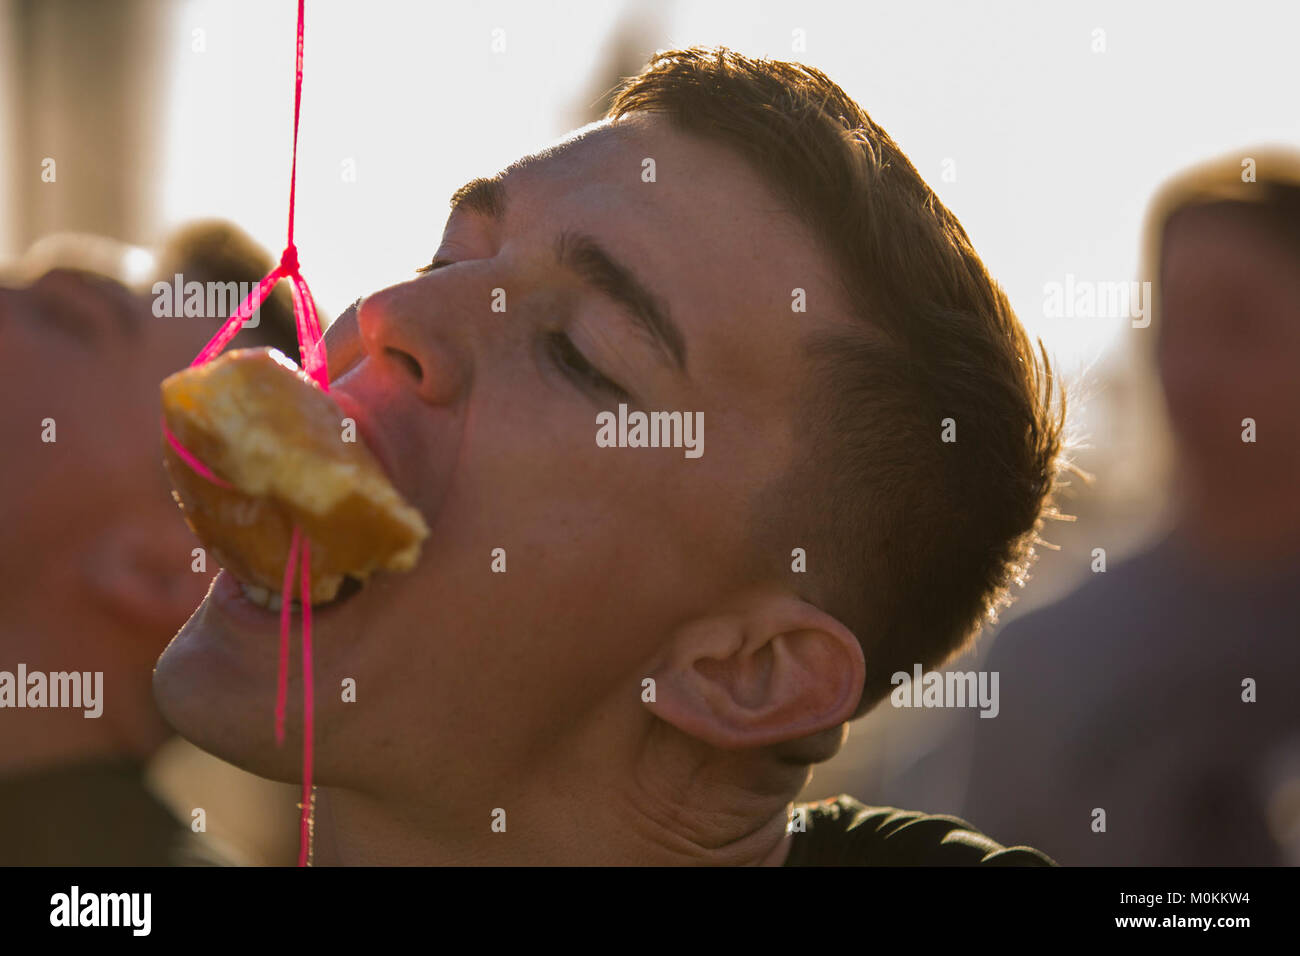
[(353, 409), (381, 411)]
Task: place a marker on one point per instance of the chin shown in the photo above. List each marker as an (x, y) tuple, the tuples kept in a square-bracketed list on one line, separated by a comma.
[(215, 700)]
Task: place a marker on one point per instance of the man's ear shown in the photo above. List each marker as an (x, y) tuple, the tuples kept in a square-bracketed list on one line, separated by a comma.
[(772, 669), (139, 569)]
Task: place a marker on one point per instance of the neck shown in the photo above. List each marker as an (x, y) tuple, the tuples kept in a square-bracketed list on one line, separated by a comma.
[(676, 802)]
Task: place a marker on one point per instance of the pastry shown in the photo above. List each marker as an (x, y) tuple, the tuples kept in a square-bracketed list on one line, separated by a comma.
[(261, 424)]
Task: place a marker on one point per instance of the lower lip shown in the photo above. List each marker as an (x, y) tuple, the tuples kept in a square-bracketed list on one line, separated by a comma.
[(229, 598)]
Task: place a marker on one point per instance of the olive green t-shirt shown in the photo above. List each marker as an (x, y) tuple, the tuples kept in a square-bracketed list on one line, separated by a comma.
[(841, 831)]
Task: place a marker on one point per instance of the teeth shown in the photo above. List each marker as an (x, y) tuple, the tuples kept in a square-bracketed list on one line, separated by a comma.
[(257, 595), (264, 597)]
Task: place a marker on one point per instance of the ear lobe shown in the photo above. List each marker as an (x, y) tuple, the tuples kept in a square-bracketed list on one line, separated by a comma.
[(140, 572), (776, 670)]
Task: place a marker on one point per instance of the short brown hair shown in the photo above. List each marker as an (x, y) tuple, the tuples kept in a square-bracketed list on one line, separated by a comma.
[(911, 541)]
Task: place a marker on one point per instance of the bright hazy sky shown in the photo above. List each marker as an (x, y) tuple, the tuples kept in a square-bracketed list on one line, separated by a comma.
[(1055, 148)]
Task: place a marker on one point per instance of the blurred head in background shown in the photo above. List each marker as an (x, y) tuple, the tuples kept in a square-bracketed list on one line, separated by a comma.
[(96, 573), (1224, 246)]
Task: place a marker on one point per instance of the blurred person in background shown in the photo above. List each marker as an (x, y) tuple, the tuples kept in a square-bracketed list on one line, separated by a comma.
[(96, 571), (1163, 692)]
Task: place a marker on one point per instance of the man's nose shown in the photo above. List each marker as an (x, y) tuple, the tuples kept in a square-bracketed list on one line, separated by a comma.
[(411, 332)]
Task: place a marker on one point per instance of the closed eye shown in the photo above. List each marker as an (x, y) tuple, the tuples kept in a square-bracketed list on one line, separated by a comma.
[(575, 365), (567, 357)]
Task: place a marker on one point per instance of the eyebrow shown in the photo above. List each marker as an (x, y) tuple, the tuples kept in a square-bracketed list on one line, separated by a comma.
[(483, 196), (585, 257), (65, 309)]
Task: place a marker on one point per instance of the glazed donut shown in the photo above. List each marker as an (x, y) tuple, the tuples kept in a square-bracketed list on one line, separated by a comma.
[(261, 424)]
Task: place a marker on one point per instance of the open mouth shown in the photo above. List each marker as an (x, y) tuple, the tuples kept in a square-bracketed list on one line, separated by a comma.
[(271, 600)]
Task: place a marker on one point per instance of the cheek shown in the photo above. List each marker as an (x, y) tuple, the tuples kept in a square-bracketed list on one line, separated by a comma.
[(57, 430), (542, 540), (38, 376), (1256, 379)]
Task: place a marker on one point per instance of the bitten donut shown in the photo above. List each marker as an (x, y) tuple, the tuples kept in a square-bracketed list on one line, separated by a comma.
[(262, 425)]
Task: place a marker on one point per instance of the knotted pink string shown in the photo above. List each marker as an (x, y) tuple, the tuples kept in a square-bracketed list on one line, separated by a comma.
[(308, 706), (311, 347)]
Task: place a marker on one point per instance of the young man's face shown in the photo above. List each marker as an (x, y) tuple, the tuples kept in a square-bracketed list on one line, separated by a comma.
[(1229, 348), (487, 422)]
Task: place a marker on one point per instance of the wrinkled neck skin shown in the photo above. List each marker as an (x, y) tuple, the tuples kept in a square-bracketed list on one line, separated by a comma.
[(670, 801)]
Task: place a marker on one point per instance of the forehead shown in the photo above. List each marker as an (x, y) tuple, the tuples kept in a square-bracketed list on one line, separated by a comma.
[(694, 221), (1220, 234), (1223, 269), (639, 178)]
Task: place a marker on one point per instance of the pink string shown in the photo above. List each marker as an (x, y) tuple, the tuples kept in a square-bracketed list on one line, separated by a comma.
[(297, 109), (282, 678), (311, 342), (188, 457), (308, 706), (311, 346), (232, 325)]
